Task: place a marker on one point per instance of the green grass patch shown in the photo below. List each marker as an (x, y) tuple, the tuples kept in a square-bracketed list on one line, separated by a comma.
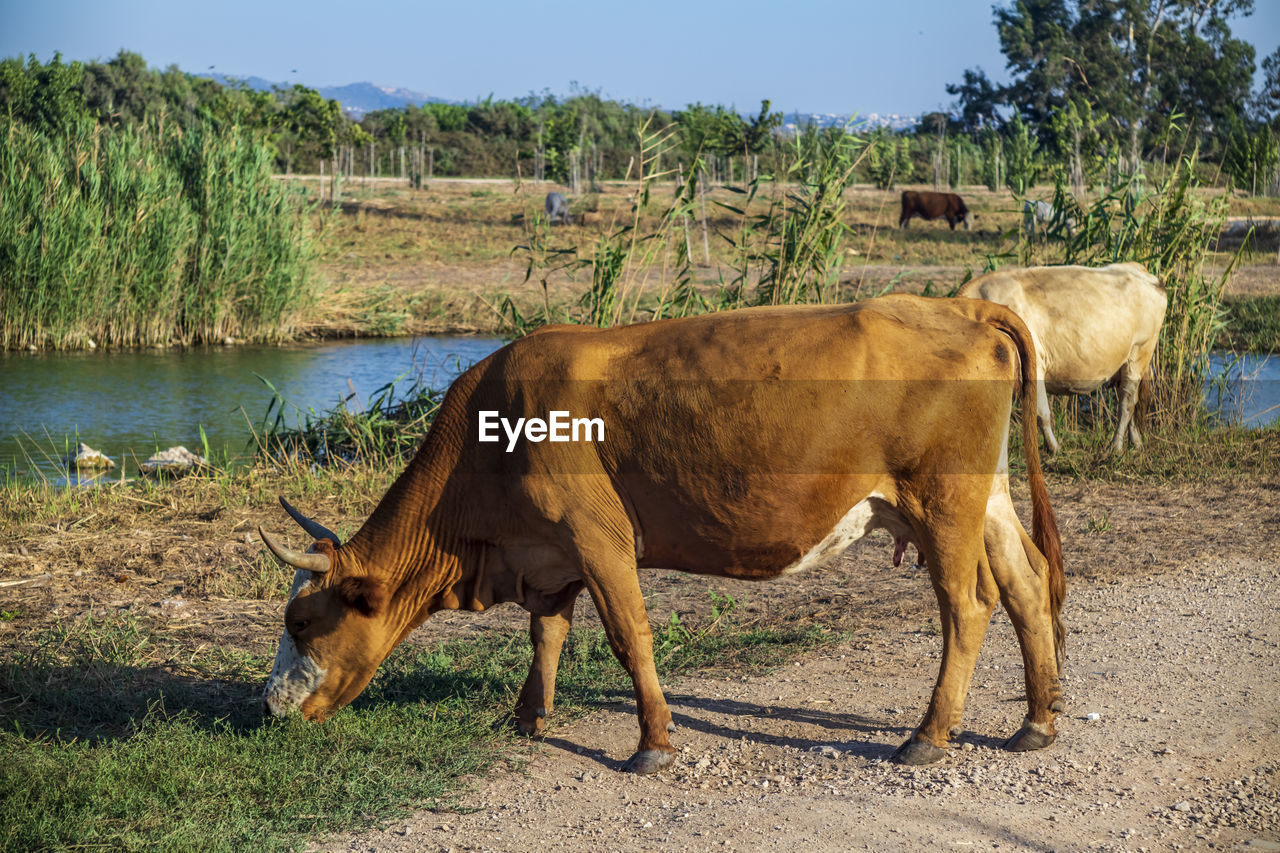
[(117, 736), (1253, 325)]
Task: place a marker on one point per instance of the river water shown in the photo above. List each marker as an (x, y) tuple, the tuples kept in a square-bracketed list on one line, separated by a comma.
[(130, 403), (1244, 389)]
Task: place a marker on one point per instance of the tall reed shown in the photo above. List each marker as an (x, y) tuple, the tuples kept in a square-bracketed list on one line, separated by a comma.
[(792, 249), (146, 236), (786, 252), (626, 257)]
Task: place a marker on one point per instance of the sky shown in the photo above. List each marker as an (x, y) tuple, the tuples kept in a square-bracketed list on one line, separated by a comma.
[(823, 56)]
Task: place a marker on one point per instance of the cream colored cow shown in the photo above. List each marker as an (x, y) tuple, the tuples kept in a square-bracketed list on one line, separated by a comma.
[(1089, 325)]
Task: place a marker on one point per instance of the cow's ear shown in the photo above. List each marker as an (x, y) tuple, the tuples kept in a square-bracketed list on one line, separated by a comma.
[(363, 594)]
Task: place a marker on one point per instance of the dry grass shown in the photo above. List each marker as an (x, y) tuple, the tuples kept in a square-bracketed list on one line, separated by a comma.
[(397, 261), (184, 554)]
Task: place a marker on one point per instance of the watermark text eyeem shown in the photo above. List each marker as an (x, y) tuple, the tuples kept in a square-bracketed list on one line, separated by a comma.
[(559, 426)]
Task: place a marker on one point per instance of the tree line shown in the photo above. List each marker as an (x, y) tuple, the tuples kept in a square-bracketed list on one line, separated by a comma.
[(1098, 88), (1118, 81)]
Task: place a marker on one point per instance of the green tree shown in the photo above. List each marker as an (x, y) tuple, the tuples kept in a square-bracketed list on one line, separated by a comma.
[(978, 100), (1251, 157), (992, 159), (314, 120), (1076, 141), (1267, 101), (888, 158), (45, 96), (124, 91), (1136, 61)]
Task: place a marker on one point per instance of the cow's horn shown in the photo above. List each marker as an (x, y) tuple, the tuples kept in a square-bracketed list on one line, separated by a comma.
[(313, 527), (309, 562)]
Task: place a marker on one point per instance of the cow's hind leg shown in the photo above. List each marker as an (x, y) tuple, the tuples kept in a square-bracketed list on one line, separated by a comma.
[(1131, 373), (547, 634), (1044, 415), (1128, 398), (966, 597), (1022, 573)]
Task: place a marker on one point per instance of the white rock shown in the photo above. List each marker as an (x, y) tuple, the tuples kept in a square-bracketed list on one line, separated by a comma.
[(175, 460), (88, 459)]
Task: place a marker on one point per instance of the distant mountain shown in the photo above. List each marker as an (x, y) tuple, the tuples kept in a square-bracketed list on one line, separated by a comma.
[(356, 98), (360, 98)]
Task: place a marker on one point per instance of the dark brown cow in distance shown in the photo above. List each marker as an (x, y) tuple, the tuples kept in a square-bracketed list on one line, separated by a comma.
[(745, 444), (927, 204)]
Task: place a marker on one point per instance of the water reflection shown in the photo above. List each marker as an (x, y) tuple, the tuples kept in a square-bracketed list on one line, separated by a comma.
[(1244, 389), (130, 403)]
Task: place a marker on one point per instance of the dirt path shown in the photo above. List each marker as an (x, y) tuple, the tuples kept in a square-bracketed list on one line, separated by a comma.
[(1179, 659)]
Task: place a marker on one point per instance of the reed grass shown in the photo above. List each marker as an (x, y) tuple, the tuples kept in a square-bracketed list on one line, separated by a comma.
[(385, 430), (790, 252), (1253, 325), (144, 236)]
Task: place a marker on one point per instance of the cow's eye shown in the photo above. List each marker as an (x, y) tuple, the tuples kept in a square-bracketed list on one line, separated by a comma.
[(300, 626)]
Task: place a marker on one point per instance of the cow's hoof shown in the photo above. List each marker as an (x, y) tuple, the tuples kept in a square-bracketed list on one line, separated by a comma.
[(1028, 739), (531, 728), (646, 762), (530, 722), (918, 752)]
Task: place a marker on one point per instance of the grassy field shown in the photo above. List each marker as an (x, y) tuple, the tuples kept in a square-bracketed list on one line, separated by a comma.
[(126, 737), (130, 714)]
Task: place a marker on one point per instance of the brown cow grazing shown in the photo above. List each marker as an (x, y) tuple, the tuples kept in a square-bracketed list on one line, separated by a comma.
[(930, 205), (1089, 326), (744, 444)]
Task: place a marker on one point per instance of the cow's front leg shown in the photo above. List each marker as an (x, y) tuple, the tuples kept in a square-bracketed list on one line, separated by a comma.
[(547, 634), (617, 596)]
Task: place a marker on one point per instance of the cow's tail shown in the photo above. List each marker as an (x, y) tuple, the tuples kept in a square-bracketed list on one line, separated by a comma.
[(1044, 526), (1143, 407), (1146, 393)]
